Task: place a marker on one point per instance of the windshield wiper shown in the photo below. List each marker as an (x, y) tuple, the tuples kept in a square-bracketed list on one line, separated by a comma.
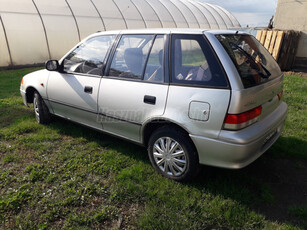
[(253, 62)]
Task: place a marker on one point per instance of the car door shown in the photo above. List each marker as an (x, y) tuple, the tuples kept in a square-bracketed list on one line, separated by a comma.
[(134, 90), (73, 92)]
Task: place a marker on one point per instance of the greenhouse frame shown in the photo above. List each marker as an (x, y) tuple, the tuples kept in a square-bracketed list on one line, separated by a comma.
[(33, 31)]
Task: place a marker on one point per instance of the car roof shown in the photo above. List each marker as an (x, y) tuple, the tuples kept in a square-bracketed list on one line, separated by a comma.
[(168, 31)]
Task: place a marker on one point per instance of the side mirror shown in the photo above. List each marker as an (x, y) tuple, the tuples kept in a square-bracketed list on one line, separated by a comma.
[(52, 65)]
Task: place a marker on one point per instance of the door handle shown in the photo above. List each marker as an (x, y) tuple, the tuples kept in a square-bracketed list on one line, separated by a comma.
[(150, 100), (88, 89)]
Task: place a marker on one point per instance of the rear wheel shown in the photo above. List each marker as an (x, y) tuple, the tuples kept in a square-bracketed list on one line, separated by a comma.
[(41, 111), (172, 154)]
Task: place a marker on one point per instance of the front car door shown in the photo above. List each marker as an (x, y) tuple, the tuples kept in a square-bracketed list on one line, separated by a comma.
[(134, 90), (73, 92)]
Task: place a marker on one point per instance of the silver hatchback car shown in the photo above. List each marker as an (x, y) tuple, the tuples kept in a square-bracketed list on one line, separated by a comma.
[(191, 96)]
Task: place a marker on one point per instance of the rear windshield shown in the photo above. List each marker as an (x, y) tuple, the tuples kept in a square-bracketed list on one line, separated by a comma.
[(253, 62)]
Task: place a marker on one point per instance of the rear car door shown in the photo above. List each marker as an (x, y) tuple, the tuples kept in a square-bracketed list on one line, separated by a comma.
[(73, 92), (134, 89)]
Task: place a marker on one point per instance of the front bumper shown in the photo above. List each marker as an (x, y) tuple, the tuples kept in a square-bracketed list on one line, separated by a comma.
[(24, 97), (237, 149)]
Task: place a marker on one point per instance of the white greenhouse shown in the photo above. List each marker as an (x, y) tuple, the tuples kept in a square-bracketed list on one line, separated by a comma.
[(32, 31)]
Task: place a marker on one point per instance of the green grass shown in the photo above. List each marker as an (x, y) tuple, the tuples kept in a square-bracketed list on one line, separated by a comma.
[(64, 176), (300, 212), (293, 141), (10, 103)]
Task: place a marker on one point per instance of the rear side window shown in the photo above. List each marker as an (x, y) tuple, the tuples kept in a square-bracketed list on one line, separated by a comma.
[(194, 63), (253, 62)]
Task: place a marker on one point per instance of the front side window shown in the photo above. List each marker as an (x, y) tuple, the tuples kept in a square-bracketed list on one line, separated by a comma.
[(130, 56), (194, 63), (89, 57), (253, 62)]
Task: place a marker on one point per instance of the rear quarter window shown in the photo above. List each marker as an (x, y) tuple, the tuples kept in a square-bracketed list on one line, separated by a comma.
[(194, 62), (253, 62)]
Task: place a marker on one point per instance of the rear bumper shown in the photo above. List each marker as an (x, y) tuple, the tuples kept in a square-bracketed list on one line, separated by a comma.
[(237, 149)]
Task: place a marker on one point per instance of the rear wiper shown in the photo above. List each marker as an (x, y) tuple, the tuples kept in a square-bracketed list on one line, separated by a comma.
[(253, 62)]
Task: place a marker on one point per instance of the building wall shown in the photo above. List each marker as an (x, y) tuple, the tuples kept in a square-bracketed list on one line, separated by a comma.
[(292, 15), (33, 31)]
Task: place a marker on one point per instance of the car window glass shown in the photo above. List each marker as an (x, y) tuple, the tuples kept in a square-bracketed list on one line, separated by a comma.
[(194, 63), (192, 54), (89, 57), (253, 62), (154, 67), (130, 56)]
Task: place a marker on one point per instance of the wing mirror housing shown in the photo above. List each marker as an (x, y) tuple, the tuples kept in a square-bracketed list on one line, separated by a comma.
[(52, 65)]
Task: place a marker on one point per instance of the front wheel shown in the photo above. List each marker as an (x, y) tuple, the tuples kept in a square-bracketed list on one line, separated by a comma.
[(42, 113), (173, 154)]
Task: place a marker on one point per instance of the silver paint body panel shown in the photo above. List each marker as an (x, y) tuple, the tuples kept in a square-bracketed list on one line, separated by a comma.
[(68, 99), (124, 100), (116, 106), (237, 149), (177, 109)]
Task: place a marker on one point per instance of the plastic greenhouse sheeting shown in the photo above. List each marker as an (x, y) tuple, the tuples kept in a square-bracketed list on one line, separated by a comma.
[(32, 31)]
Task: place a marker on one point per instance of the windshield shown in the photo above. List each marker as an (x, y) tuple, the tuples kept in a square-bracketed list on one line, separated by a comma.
[(254, 63)]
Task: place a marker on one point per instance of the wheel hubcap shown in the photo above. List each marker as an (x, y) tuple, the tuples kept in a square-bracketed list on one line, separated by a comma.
[(169, 156), (36, 109)]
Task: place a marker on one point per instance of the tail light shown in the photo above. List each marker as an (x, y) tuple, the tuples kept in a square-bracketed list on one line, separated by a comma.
[(242, 120), (21, 81)]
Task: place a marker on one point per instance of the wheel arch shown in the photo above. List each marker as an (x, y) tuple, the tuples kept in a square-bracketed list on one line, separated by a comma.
[(155, 124), (30, 93), (181, 136), (35, 81)]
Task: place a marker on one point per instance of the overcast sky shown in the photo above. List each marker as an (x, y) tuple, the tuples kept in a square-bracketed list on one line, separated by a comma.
[(249, 12)]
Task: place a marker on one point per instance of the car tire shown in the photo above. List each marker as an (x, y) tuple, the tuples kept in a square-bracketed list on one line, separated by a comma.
[(172, 154), (41, 111)]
